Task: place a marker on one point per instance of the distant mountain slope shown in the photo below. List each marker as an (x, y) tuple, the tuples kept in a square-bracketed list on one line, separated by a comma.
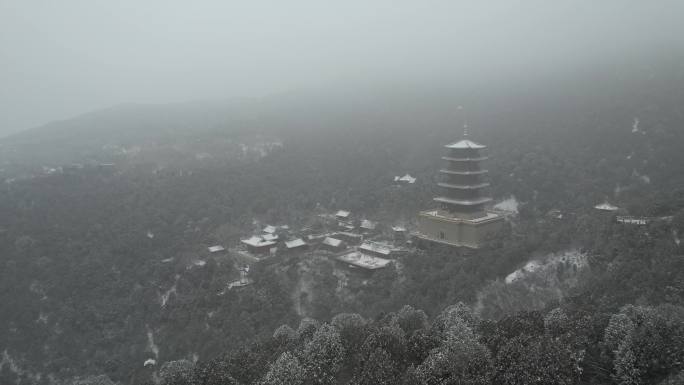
[(418, 114), (84, 136)]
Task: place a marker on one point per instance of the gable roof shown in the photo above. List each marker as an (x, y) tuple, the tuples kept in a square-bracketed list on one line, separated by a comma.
[(406, 178), (295, 243), (376, 248), (257, 242), (269, 237), (334, 242), (605, 206), (364, 261)]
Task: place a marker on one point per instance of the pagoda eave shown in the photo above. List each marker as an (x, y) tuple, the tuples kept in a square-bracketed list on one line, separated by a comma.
[(478, 159), (463, 202), (452, 172), (464, 186)]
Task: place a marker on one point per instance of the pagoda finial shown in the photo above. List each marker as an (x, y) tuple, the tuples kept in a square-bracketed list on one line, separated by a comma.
[(464, 117)]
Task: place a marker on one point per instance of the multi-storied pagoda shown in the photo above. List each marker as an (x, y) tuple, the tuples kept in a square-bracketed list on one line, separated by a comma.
[(462, 218)]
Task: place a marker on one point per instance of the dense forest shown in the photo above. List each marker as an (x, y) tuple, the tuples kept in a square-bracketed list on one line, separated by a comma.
[(100, 261), (563, 346)]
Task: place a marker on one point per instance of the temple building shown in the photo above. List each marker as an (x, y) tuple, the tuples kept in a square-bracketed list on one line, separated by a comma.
[(462, 218)]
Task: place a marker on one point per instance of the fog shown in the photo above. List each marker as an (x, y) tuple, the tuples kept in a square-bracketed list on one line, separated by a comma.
[(61, 58)]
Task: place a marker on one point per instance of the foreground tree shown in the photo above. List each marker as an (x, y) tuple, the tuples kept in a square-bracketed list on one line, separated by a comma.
[(378, 369), (536, 360), (322, 356), (215, 372), (411, 320), (285, 371), (176, 372), (353, 331), (453, 315), (461, 359), (645, 342), (93, 380)]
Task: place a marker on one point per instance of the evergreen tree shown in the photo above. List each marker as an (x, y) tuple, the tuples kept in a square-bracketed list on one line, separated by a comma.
[(322, 357), (285, 371)]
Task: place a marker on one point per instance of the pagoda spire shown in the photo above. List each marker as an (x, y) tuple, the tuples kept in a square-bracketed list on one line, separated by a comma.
[(464, 117)]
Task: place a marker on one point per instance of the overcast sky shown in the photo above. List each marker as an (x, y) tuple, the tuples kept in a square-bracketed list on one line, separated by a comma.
[(60, 58)]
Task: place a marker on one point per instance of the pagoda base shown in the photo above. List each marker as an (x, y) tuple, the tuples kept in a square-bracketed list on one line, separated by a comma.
[(446, 228)]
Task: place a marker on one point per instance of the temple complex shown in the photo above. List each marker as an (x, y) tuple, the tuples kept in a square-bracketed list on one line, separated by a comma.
[(461, 218)]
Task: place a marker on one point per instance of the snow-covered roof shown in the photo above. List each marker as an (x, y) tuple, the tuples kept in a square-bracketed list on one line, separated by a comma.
[(465, 143), (295, 243), (605, 206), (399, 228), (486, 217), (270, 229), (406, 178), (441, 214), (463, 186), (269, 237), (216, 249), (466, 159), (633, 220), (464, 202), (257, 242), (342, 214), (375, 248), (454, 172), (555, 213), (334, 242), (349, 234), (364, 261), (368, 225)]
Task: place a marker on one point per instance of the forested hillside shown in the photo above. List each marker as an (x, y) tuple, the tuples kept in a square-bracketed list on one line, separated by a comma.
[(565, 345), (104, 229)]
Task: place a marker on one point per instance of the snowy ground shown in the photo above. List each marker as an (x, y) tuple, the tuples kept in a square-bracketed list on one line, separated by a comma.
[(164, 298), (550, 262), (676, 237), (508, 204), (539, 282)]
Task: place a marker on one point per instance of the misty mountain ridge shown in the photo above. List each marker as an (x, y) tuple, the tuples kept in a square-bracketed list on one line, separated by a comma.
[(546, 103)]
